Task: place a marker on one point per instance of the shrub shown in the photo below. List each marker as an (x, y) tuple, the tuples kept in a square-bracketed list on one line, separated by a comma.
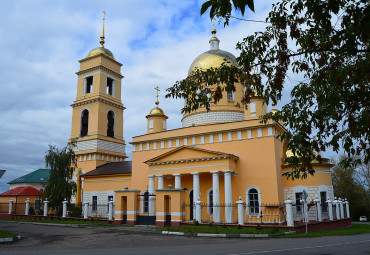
[(196, 223), (31, 211), (74, 211), (258, 227), (239, 226)]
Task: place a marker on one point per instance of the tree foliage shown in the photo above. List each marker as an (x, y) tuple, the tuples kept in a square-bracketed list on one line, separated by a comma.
[(326, 43), (348, 183), (62, 163)]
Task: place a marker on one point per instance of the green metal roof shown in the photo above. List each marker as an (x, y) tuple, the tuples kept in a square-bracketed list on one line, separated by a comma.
[(40, 175)]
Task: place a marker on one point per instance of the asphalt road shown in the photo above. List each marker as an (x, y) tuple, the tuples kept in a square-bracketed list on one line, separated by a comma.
[(40, 239)]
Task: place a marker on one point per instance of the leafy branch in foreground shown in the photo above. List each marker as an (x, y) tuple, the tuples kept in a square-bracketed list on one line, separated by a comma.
[(326, 43)]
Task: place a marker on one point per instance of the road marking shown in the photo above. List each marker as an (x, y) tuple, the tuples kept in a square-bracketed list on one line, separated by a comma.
[(300, 248)]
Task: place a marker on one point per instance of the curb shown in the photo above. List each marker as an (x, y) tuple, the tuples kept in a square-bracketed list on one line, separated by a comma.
[(10, 239), (227, 235)]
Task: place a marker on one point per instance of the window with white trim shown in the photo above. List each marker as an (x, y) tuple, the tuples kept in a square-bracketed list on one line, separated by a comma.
[(151, 125), (254, 205), (230, 96), (252, 108)]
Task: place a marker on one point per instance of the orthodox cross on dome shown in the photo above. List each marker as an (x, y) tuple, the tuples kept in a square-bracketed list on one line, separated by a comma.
[(157, 89), (102, 31)]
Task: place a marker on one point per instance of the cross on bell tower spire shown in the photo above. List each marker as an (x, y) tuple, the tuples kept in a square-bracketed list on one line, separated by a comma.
[(102, 37), (157, 89)]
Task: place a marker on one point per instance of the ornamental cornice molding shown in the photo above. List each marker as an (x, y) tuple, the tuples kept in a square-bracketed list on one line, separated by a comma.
[(192, 160), (101, 68), (101, 100)]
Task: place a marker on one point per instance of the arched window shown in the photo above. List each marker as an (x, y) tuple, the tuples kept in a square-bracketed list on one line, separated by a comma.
[(84, 122), (230, 96), (110, 124), (253, 201)]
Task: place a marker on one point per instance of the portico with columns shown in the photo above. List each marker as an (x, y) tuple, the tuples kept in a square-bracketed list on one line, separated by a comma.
[(192, 173)]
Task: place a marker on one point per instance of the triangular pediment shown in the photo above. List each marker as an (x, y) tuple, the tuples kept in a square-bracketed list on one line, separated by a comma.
[(186, 153)]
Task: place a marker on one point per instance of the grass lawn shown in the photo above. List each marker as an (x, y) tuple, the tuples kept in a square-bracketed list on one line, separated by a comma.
[(355, 229), (5, 234), (223, 230)]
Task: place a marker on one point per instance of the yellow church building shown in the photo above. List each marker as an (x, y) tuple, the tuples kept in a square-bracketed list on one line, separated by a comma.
[(214, 160)]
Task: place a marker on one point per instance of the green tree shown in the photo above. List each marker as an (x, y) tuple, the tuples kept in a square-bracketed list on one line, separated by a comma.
[(325, 42), (62, 163), (347, 184)]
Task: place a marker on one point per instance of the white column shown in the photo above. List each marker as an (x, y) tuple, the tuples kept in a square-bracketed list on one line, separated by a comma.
[(240, 204), (86, 209), (341, 208), (330, 209), (177, 181), (11, 206), (46, 202), (196, 193), (160, 181), (198, 211), (289, 212), (228, 197), (151, 193), (347, 208), (216, 197), (336, 202), (110, 210), (318, 208), (27, 206), (64, 208)]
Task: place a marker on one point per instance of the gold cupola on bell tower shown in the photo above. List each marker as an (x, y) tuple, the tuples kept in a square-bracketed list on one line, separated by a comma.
[(157, 120), (97, 117)]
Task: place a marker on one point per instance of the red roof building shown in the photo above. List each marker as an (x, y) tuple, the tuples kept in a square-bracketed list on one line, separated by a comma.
[(21, 191)]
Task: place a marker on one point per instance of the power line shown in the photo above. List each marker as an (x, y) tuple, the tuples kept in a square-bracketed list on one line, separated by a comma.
[(250, 20)]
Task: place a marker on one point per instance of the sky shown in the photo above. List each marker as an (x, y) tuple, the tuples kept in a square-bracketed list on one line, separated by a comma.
[(42, 41)]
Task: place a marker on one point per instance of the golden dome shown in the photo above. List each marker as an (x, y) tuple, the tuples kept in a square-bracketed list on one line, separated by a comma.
[(212, 58), (100, 50), (156, 111)]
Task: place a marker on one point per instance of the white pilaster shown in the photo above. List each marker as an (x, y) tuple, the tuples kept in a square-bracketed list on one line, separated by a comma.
[(240, 204), (110, 210), (347, 208), (318, 208), (160, 181), (198, 211), (64, 208), (330, 209), (27, 206), (196, 193), (177, 181), (228, 197), (216, 197), (11, 206), (289, 212), (336, 202), (86, 209), (151, 193), (341, 208), (46, 202)]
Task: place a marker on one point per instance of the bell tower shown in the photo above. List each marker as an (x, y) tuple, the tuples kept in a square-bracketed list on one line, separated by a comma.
[(97, 118)]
